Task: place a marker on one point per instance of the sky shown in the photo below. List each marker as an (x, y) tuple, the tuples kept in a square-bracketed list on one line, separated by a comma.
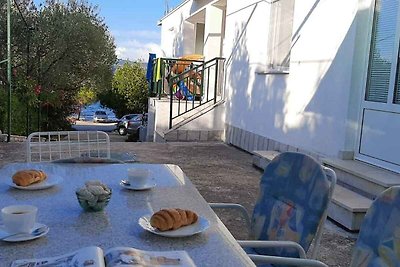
[(133, 24)]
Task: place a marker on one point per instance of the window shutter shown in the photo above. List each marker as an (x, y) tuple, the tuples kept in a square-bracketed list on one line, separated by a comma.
[(396, 98), (382, 47), (280, 37)]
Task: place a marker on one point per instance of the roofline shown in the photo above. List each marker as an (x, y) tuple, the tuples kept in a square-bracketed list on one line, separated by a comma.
[(173, 10)]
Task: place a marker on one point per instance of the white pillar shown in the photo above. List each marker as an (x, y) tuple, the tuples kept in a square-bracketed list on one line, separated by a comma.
[(213, 32)]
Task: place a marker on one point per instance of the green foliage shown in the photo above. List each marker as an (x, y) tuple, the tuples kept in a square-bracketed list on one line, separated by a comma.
[(69, 48), (24, 116), (129, 93), (86, 95)]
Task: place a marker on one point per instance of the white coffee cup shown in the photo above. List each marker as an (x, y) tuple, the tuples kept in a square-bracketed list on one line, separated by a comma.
[(19, 218), (138, 176)]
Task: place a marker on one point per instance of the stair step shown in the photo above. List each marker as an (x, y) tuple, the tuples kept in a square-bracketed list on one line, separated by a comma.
[(261, 158), (367, 178), (348, 208), (192, 135)]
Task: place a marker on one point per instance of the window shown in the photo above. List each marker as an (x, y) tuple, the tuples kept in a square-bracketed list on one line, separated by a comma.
[(280, 34), (383, 54)]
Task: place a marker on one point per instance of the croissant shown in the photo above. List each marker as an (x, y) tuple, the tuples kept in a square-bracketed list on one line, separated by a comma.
[(172, 219), (28, 177)]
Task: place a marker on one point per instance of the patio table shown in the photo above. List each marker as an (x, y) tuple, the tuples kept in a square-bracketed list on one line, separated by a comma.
[(71, 228)]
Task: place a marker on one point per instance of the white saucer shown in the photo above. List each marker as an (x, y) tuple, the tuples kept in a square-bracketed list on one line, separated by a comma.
[(150, 184), (201, 225), (51, 180), (19, 238)]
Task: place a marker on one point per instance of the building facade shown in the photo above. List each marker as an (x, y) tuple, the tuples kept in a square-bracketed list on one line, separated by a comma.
[(319, 76)]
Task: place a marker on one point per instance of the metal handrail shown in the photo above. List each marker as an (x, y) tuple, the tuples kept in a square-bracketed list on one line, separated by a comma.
[(167, 64), (196, 68), (194, 88)]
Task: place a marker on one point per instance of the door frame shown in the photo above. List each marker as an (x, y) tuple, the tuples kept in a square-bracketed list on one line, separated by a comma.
[(389, 106)]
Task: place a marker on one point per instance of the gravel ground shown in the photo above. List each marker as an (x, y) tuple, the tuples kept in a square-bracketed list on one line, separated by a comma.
[(221, 173)]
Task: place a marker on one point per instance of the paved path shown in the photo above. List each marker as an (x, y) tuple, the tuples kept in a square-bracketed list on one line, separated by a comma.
[(221, 173), (91, 126)]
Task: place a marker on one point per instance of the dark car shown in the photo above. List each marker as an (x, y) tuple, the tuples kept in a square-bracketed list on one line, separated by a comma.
[(134, 125), (122, 124)]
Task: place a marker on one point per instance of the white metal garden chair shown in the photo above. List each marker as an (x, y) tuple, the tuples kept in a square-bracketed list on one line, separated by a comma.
[(291, 209), (67, 145)]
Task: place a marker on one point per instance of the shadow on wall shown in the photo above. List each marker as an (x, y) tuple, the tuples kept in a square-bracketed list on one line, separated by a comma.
[(196, 5), (178, 46), (325, 104), (250, 94), (294, 112)]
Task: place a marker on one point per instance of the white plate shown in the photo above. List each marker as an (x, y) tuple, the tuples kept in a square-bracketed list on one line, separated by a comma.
[(150, 184), (201, 225), (51, 180), (20, 238)]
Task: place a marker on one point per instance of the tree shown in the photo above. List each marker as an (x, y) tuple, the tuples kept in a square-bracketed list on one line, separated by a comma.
[(85, 96), (129, 93), (70, 47)]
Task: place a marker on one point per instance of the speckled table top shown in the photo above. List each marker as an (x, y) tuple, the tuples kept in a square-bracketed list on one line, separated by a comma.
[(71, 228)]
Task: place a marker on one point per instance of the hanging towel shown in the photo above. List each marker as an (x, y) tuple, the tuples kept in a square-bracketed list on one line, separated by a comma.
[(157, 70), (149, 72)]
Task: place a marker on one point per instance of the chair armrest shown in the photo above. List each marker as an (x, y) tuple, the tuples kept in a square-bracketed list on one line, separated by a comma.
[(272, 244), (234, 206), (258, 259)]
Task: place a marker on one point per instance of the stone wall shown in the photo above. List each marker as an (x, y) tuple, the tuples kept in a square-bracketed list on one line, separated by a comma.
[(13, 138)]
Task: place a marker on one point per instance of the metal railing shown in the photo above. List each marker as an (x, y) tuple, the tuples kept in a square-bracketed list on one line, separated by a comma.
[(195, 87), (164, 69)]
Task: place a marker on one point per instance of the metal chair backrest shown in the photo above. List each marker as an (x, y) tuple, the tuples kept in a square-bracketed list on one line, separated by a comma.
[(378, 243), (293, 201), (51, 146)]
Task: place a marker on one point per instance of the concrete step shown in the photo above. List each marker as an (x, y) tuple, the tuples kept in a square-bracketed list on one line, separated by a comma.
[(261, 158), (361, 177), (192, 126), (348, 208), (189, 136)]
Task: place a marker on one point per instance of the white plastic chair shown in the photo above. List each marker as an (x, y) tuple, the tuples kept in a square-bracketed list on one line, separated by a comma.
[(292, 208), (53, 146)]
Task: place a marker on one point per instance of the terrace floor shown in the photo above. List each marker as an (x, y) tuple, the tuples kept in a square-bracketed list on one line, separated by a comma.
[(221, 173)]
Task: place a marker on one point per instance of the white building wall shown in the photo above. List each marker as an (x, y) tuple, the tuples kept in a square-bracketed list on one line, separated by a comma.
[(307, 108), (212, 119), (178, 35), (315, 106), (213, 32), (363, 23)]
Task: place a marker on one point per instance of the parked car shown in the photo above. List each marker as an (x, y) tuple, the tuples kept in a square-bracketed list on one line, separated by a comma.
[(100, 116), (72, 118), (122, 124), (134, 125)]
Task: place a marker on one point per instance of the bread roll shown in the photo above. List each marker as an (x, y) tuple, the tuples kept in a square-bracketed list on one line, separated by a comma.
[(172, 219), (28, 177)]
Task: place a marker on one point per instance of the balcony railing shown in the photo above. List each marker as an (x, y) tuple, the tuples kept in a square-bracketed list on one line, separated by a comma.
[(165, 69), (187, 83), (197, 86)]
